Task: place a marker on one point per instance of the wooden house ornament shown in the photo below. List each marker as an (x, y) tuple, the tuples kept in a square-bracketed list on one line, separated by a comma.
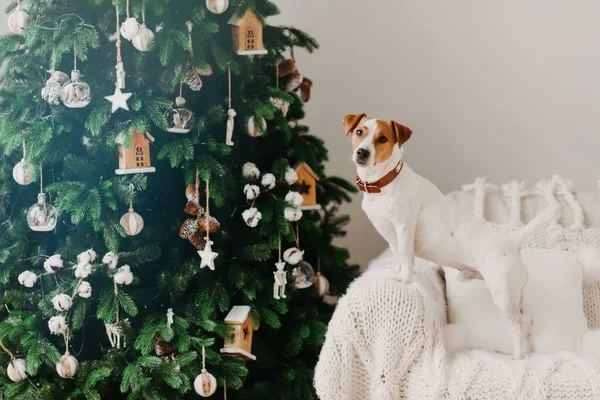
[(136, 158), (247, 32), (239, 317), (307, 181)]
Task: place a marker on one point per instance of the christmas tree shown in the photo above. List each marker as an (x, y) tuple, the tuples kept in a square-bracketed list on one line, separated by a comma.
[(151, 248)]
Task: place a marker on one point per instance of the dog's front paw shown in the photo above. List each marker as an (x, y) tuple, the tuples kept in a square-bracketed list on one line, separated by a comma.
[(403, 275)]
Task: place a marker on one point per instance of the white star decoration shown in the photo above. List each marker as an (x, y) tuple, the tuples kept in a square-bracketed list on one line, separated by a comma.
[(208, 256), (118, 100)]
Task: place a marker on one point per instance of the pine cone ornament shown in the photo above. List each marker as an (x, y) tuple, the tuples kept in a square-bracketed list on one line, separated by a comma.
[(193, 208), (191, 193), (198, 240), (188, 228), (54, 84), (305, 89), (213, 224), (295, 81), (193, 80), (163, 348), (286, 67)]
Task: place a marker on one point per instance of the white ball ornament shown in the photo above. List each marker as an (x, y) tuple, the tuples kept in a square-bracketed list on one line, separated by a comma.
[(27, 278), (256, 130), (16, 370), (17, 21), (321, 285), (143, 38), (293, 255), (62, 302), (268, 181), (23, 172), (130, 28), (57, 325), (132, 222), (76, 93), (84, 290), (250, 171), (217, 6), (205, 384), (67, 366), (123, 276), (294, 198)]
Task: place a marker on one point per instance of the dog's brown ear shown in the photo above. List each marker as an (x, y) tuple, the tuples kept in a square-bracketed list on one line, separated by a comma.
[(402, 133), (351, 121)]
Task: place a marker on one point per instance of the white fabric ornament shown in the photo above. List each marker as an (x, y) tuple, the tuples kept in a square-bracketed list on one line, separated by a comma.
[(57, 325), (82, 271), (230, 125), (132, 222), (62, 302), (111, 259), (16, 370), (130, 28), (142, 40), (67, 366), (27, 278), (53, 263), (268, 181), (280, 277), (294, 82), (292, 214), (118, 100), (87, 257), (217, 6), (290, 176), (321, 285), (281, 105), (123, 276), (207, 256), (84, 290), (252, 217), (54, 84), (113, 331), (293, 255), (170, 315), (17, 21), (251, 191), (250, 171), (23, 172), (205, 384), (294, 198)]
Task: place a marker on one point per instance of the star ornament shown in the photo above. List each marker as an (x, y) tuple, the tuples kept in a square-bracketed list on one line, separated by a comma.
[(208, 256), (119, 100)]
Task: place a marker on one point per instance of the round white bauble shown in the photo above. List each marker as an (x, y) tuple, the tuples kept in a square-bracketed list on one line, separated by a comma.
[(67, 366), (321, 285), (16, 370), (76, 93), (123, 276), (27, 278), (17, 21), (62, 302), (302, 275), (132, 222), (22, 172), (130, 28), (57, 325), (293, 255), (217, 6), (143, 38), (84, 290), (205, 384), (256, 130)]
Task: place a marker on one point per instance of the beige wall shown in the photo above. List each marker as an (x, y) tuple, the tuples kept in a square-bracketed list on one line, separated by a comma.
[(503, 89)]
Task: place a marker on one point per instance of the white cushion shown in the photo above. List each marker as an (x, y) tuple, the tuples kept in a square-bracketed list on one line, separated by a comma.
[(553, 299)]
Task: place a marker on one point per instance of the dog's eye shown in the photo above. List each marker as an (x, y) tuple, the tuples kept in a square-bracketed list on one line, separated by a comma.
[(382, 139), (359, 132)]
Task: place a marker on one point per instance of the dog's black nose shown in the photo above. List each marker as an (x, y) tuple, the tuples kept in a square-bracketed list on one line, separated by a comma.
[(362, 154)]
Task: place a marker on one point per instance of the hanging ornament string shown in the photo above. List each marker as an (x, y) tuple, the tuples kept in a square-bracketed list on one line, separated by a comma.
[(224, 389), (229, 83), (292, 53), (277, 74), (127, 9), (118, 42), (132, 191), (74, 55), (181, 89), (143, 15), (297, 235), (41, 179), (18, 5), (207, 210), (10, 354), (203, 360), (24, 150), (279, 248), (190, 25)]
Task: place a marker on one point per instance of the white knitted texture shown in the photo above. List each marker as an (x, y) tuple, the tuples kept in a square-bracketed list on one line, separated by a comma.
[(384, 341)]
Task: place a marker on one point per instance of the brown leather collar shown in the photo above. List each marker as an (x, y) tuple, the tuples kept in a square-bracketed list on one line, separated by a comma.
[(375, 187)]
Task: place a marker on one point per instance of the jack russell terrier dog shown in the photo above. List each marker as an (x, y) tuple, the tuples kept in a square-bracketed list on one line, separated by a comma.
[(417, 219)]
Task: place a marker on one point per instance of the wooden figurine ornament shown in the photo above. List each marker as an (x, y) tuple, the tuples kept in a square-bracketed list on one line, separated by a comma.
[(241, 345), (247, 34), (280, 276), (136, 158), (307, 180)]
